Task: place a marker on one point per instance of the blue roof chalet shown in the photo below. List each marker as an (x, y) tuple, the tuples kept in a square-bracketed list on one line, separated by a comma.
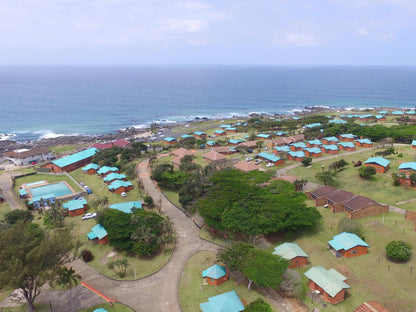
[(97, 231), (186, 136), (90, 166), (407, 166), (226, 302), (268, 156), (378, 161), (263, 135), (346, 241), (106, 169), (216, 271), (127, 207), (74, 158), (414, 142), (100, 310), (169, 139), (74, 204), (119, 183), (283, 148)]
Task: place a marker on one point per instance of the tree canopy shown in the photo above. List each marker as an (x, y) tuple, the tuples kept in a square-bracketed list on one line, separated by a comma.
[(29, 256), (399, 250), (260, 267), (239, 202)]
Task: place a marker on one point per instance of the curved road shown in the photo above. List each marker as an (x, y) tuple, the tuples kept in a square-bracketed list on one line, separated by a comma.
[(158, 292)]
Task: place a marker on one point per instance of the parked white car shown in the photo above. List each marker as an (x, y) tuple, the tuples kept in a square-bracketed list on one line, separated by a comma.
[(249, 158), (123, 194), (270, 165), (89, 216)]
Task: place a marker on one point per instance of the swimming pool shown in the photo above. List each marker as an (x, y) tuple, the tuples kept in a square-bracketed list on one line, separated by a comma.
[(59, 189)]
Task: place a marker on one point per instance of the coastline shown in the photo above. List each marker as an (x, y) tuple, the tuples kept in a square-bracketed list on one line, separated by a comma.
[(142, 133)]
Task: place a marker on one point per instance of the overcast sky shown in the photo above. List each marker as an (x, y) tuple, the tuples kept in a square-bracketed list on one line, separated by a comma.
[(282, 32)]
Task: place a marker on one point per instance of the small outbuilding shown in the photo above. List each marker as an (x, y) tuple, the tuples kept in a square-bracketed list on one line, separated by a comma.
[(363, 143), (379, 163), (127, 207), (119, 186), (330, 284), (320, 195), (106, 170), (347, 245), (270, 158), (226, 302), (313, 152), (98, 235), (215, 275), (75, 207), (361, 207), (90, 168), (169, 140), (296, 156), (108, 179), (293, 253)]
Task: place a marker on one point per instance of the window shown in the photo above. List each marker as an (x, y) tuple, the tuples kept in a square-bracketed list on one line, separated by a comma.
[(353, 252), (212, 280)]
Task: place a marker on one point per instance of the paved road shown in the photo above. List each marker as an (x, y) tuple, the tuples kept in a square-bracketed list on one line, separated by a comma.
[(7, 189), (158, 292)]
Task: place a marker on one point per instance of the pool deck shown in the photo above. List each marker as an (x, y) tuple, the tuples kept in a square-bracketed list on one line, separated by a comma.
[(28, 186)]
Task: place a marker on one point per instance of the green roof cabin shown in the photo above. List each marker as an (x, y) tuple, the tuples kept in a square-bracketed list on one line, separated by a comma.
[(293, 253), (330, 284)]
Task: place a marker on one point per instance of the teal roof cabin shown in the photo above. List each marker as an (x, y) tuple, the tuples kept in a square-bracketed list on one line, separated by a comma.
[(226, 302), (347, 245), (98, 233), (72, 162), (127, 207), (103, 171), (215, 275)]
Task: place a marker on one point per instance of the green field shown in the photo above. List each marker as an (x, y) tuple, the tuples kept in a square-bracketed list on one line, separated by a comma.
[(192, 292), (371, 276), (100, 189), (380, 188)]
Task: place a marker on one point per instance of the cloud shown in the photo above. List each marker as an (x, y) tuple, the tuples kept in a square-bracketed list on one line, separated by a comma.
[(301, 40), (184, 25), (362, 32)]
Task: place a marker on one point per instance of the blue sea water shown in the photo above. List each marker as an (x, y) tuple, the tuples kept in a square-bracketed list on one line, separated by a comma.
[(42, 101)]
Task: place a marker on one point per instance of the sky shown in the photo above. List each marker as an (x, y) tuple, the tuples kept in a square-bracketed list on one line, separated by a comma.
[(253, 32)]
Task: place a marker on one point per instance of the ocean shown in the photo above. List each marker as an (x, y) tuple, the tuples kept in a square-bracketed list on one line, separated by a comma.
[(47, 101)]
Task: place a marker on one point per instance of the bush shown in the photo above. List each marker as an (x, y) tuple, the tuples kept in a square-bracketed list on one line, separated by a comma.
[(148, 200), (291, 285), (86, 255), (306, 161), (398, 250), (350, 226), (16, 215), (258, 306)]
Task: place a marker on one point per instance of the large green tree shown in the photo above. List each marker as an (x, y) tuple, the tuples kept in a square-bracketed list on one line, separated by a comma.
[(29, 256), (260, 267), (241, 202)]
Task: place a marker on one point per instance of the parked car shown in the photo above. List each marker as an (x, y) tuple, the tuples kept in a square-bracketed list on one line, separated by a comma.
[(257, 162), (89, 191), (249, 158), (270, 165), (86, 187), (123, 194), (89, 216)]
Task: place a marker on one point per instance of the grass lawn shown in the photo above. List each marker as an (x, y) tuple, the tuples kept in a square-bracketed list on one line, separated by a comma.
[(371, 276), (46, 177), (117, 307), (192, 292), (144, 266), (4, 208), (64, 149), (100, 189), (380, 188)]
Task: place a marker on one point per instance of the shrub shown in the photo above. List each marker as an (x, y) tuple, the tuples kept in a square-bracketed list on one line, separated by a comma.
[(86, 255), (148, 200), (398, 250), (291, 284), (258, 306), (16, 215), (306, 161), (350, 226)]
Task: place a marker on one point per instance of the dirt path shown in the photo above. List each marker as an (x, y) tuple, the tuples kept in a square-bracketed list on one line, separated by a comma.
[(6, 188)]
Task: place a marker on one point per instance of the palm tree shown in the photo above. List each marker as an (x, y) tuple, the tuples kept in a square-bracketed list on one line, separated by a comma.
[(67, 278)]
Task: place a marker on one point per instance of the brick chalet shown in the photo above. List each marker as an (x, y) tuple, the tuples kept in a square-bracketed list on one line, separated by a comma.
[(72, 162), (215, 275), (347, 245), (330, 284), (293, 253)]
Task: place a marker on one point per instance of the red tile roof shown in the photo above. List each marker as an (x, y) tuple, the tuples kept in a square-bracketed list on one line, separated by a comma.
[(182, 152), (324, 191), (358, 202), (119, 143), (371, 306), (222, 149), (214, 156), (245, 166), (340, 196)]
